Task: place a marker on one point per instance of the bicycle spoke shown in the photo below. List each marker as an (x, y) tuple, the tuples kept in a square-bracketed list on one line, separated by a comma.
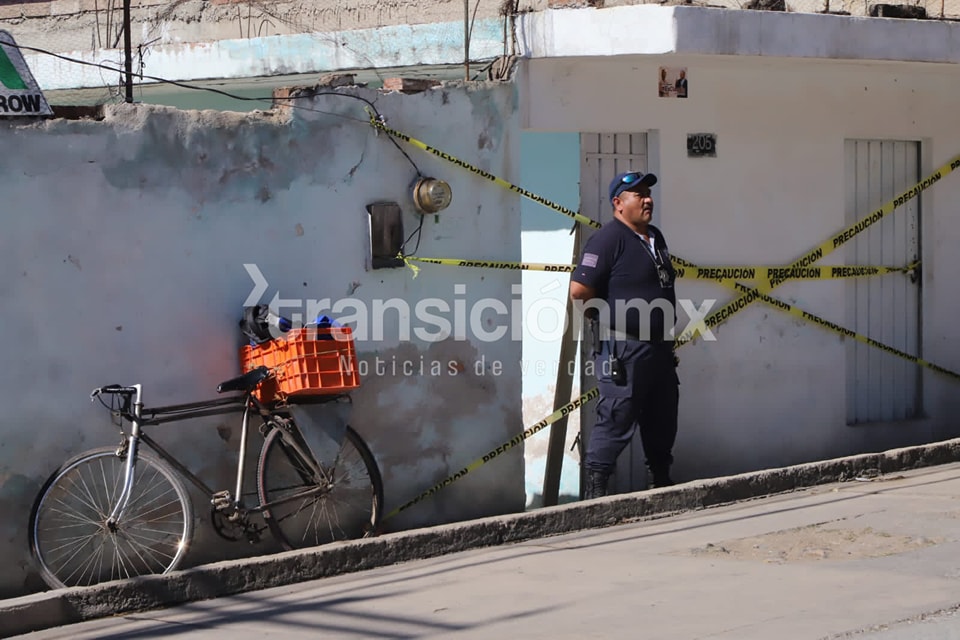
[(339, 509), (119, 569), (131, 552), (76, 554), (83, 496), (69, 532), (80, 568)]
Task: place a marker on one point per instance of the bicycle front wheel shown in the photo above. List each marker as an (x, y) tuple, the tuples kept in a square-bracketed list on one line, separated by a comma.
[(72, 540), (301, 513)]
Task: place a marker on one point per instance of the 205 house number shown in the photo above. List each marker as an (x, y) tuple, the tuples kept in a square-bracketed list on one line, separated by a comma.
[(702, 144)]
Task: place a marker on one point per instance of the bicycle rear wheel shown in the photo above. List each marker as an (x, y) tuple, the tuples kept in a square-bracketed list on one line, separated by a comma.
[(348, 507), (72, 541)]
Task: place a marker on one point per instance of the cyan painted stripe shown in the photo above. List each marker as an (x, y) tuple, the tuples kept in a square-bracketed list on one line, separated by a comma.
[(392, 46)]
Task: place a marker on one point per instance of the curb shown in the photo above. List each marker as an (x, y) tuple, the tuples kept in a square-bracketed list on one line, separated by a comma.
[(68, 606)]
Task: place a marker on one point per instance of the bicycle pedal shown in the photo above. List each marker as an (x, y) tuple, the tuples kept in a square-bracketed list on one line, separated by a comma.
[(221, 499)]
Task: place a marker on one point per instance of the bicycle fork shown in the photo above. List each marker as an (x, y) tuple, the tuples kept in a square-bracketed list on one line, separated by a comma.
[(293, 439), (132, 445)]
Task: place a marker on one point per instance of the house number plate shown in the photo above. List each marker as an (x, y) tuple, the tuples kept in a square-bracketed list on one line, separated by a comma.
[(702, 144)]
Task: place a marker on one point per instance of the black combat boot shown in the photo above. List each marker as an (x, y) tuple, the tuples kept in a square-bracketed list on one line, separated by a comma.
[(660, 477), (596, 485)]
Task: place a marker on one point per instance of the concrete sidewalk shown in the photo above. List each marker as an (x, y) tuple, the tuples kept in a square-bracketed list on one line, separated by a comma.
[(916, 536)]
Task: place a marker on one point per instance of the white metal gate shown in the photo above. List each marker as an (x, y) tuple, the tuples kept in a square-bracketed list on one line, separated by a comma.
[(603, 156), (882, 387)]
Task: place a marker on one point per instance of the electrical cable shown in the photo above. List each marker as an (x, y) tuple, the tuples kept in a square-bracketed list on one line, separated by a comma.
[(417, 232)]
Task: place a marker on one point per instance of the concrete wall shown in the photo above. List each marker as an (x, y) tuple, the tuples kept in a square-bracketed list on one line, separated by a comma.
[(394, 46), (771, 390), (86, 24), (83, 25), (124, 247), (92, 25)]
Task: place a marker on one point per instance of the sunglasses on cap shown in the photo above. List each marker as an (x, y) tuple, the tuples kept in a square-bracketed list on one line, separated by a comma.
[(632, 177), (630, 181)]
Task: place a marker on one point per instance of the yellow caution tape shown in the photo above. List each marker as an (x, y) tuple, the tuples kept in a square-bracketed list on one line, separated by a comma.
[(770, 278), (826, 248), (483, 174), (407, 260), (566, 409), (688, 270), (749, 293), (793, 310), (491, 264), (731, 273)]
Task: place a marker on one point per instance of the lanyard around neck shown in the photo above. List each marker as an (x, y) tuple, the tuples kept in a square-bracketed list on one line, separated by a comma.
[(651, 249)]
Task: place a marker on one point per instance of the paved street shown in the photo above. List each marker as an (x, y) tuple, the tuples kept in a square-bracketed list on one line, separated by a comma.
[(877, 558)]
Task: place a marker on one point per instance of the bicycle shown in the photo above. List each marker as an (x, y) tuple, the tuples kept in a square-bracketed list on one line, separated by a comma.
[(114, 513)]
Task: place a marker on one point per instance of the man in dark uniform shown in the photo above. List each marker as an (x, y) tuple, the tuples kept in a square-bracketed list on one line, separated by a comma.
[(624, 282)]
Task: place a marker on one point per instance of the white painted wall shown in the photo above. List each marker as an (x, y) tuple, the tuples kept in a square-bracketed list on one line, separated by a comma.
[(550, 167), (544, 303), (652, 29), (771, 390), (123, 250)]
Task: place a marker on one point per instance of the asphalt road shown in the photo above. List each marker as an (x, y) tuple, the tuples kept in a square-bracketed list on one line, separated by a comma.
[(875, 558)]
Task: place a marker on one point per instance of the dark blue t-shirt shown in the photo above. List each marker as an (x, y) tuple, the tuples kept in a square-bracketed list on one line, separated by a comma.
[(621, 268)]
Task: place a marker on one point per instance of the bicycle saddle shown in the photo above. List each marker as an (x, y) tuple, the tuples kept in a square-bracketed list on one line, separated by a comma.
[(247, 382)]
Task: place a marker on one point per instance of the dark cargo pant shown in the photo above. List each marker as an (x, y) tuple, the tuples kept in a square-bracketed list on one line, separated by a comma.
[(649, 397)]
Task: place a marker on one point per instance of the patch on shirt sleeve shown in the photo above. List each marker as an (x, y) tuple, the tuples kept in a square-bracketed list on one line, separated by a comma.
[(589, 260)]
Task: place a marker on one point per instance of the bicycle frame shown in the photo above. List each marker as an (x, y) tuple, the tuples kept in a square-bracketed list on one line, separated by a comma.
[(121, 511), (247, 403)]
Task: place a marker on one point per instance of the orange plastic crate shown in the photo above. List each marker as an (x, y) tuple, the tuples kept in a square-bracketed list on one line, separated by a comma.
[(306, 362)]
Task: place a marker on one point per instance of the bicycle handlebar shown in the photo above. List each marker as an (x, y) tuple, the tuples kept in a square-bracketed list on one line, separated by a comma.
[(112, 388)]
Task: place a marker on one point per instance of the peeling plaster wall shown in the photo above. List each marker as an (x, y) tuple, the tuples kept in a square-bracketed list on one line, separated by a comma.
[(771, 390), (259, 55), (434, 44), (124, 247)]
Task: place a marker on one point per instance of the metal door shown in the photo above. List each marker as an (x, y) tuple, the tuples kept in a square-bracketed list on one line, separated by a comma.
[(882, 387)]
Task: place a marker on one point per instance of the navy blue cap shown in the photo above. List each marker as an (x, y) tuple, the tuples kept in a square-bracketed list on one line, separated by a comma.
[(630, 180)]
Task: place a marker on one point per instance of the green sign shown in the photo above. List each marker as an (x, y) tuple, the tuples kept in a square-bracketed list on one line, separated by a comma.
[(19, 93)]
